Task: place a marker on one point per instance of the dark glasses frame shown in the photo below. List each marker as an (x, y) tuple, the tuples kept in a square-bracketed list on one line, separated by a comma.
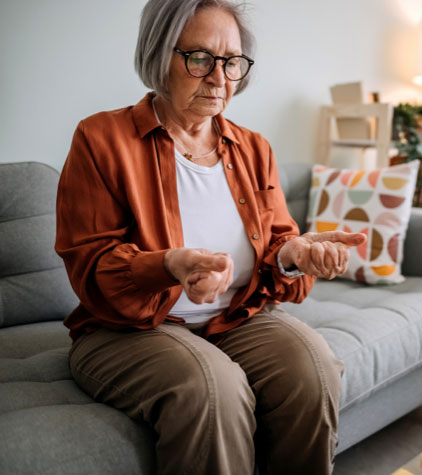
[(186, 55)]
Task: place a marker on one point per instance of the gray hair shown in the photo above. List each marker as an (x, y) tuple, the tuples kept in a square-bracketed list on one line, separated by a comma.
[(161, 25)]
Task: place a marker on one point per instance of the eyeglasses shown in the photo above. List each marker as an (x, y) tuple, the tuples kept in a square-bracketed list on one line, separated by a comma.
[(199, 63)]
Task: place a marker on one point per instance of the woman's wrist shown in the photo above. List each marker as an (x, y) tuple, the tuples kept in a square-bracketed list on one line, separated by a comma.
[(284, 257), (167, 264), (286, 266)]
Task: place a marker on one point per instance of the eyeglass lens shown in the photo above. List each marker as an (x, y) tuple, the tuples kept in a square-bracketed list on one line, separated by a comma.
[(200, 63)]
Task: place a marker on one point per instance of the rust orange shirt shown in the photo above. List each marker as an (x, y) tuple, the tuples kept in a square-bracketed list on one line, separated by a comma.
[(118, 214)]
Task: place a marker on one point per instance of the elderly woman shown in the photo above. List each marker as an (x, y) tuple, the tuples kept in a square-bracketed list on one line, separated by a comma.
[(178, 243)]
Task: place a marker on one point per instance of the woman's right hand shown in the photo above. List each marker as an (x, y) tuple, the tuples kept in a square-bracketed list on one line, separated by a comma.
[(203, 275)]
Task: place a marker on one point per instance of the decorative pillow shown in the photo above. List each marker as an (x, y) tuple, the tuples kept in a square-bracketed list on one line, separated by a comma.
[(377, 203)]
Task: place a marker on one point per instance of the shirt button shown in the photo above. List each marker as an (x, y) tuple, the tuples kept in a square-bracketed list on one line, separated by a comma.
[(229, 166), (260, 271), (255, 236), (242, 201)]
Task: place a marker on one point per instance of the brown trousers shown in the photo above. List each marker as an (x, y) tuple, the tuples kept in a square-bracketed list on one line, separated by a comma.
[(272, 386)]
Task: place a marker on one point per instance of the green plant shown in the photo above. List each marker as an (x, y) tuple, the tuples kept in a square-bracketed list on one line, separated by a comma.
[(407, 131)]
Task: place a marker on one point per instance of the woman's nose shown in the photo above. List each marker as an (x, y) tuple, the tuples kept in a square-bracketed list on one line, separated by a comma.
[(217, 77)]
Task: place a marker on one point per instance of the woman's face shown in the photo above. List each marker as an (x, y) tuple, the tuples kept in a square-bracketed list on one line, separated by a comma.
[(216, 31)]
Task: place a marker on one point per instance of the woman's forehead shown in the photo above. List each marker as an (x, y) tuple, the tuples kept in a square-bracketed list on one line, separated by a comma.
[(212, 29)]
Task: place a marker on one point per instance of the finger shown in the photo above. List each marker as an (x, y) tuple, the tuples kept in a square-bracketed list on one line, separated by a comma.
[(230, 273), (337, 257), (350, 239), (230, 264), (331, 258), (317, 255), (198, 290), (344, 254), (207, 288), (322, 260), (211, 297), (213, 262), (307, 266)]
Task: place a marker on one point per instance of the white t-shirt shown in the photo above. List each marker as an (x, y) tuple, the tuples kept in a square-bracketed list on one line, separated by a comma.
[(210, 220)]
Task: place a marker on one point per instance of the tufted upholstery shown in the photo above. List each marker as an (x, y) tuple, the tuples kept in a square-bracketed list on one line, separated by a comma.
[(376, 332), (33, 282), (48, 425)]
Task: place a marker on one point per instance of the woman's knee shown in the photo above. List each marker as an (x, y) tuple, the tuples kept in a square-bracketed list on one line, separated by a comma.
[(144, 373), (205, 382), (310, 373)]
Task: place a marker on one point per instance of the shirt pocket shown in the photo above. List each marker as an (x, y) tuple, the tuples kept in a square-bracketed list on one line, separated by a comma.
[(265, 200)]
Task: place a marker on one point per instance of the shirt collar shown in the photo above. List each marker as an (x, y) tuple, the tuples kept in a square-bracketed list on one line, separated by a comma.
[(146, 122), (144, 117)]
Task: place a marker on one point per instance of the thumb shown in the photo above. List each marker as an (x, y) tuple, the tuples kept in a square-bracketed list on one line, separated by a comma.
[(350, 239)]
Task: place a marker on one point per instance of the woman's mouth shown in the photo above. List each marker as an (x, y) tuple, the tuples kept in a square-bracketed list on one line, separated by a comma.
[(212, 98)]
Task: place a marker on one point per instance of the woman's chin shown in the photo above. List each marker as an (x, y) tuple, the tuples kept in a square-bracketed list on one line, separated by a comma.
[(209, 107)]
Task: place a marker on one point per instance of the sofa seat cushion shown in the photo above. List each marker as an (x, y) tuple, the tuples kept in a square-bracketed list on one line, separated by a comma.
[(59, 428), (69, 439), (34, 368), (376, 331)]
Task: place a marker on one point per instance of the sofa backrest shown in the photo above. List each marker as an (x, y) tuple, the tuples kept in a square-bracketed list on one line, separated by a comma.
[(33, 282), (295, 180)]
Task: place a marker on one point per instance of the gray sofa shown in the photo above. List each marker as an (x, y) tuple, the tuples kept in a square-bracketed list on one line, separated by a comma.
[(49, 426)]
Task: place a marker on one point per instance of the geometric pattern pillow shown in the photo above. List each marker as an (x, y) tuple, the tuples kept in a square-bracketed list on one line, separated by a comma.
[(375, 202)]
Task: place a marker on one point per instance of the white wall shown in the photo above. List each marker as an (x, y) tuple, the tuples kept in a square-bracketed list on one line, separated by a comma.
[(62, 60)]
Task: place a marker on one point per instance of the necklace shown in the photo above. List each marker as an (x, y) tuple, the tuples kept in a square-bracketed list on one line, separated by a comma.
[(188, 155)]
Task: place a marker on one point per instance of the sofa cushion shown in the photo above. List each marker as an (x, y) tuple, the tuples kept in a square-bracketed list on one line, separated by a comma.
[(376, 331), (377, 203), (49, 425), (33, 283), (34, 363), (295, 181), (69, 439)]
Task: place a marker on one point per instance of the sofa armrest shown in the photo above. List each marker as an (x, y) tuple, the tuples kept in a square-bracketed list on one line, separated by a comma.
[(412, 259)]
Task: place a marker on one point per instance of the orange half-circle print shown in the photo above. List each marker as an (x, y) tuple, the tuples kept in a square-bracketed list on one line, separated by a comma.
[(373, 177), (383, 270), (345, 176), (362, 249), (322, 226), (357, 178), (394, 183), (357, 214), (391, 201)]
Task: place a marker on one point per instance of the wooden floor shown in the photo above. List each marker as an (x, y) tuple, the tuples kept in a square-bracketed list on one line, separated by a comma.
[(385, 451)]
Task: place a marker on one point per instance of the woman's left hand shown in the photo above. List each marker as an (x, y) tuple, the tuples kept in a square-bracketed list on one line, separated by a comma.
[(320, 254)]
